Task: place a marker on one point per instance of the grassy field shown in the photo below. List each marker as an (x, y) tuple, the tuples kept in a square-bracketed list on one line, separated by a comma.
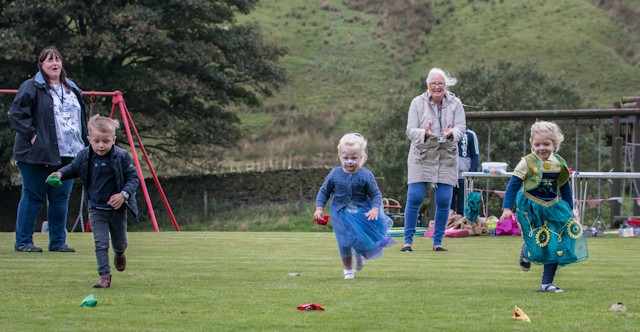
[(233, 281)]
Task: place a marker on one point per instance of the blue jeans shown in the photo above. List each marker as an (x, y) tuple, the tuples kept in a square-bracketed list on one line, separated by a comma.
[(34, 193), (105, 224), (415, 196)]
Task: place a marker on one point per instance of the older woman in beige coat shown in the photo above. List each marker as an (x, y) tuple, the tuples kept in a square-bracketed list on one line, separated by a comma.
[(435, 124)]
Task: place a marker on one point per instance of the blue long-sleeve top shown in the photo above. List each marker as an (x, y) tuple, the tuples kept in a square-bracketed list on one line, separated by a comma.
[(360, 187), (515, 183)]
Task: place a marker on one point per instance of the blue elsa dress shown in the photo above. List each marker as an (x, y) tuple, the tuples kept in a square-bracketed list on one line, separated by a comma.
[(352, 195)]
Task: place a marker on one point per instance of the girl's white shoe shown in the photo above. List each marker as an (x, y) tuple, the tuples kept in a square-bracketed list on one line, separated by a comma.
[(349, 274)]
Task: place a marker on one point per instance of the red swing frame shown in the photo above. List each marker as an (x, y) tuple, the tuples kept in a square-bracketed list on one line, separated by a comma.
[(118, 100)]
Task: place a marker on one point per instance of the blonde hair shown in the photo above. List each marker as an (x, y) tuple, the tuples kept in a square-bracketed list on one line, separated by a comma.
[(103, 124), (549, 130), (354, 141)]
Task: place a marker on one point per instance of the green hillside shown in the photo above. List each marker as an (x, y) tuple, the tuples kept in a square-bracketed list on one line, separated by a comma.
[(572, 37), (345, 63)]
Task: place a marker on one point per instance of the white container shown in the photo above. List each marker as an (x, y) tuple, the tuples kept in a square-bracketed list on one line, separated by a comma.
[(494, 167)]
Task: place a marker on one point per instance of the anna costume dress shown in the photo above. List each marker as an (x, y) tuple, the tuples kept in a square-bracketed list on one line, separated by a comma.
[(544, 206)]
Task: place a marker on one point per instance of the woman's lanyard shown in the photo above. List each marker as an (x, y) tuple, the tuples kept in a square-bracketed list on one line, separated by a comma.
[(440, 118), (60, 96)]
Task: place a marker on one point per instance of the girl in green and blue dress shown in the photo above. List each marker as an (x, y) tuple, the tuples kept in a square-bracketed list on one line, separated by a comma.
[(540, 190)]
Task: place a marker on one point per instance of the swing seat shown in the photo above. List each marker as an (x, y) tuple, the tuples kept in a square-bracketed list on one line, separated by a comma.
[(391, 206)]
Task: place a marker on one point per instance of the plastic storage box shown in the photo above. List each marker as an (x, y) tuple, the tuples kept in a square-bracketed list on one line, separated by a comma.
[(494, 167)]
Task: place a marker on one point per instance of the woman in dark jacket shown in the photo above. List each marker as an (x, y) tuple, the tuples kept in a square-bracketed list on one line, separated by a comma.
[(49, 118)]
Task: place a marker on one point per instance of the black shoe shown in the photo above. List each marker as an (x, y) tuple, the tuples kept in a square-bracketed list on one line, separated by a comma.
[(64, 248), (440, 249), (525, 264), (29, 247), (406, 249)]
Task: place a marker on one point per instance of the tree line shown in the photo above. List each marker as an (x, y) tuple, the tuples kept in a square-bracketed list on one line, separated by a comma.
[(179, 64)]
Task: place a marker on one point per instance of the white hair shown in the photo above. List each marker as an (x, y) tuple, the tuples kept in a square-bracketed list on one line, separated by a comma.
[(448, 79)]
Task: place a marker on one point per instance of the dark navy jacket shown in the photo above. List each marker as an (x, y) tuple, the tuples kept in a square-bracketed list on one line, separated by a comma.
[(469, 153), (123, 168), (32, 113)]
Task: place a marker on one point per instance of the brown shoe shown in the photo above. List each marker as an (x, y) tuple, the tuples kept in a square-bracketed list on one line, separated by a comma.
[(120, 262), (104, 282)]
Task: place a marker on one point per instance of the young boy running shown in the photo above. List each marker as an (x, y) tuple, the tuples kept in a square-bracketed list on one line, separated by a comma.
[(111, 180)]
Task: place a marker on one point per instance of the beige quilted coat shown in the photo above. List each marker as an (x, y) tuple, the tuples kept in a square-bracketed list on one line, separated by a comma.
[(428, 160)]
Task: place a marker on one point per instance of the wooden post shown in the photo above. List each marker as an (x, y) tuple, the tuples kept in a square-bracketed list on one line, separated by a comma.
[(575, 164), (525, 140), (636, 158), (616, 163)]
